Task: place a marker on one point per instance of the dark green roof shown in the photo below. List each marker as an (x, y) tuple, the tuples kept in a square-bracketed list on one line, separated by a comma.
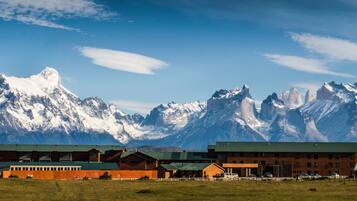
[(58, 148), (287, 147), (84, 165), (178, 156), (186, 166)]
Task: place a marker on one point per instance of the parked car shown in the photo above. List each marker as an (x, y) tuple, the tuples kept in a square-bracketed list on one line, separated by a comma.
[(315, 176), (230, 176), (268, 174), (335, 175), (304, 176), (252, 175)]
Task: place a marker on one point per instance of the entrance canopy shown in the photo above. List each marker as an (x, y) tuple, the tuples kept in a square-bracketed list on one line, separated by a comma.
[(240, 165)]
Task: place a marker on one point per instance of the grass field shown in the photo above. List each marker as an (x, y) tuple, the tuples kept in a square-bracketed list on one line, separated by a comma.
[(15, 189)]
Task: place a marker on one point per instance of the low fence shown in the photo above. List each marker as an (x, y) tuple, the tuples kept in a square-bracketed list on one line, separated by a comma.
[(80, 174)]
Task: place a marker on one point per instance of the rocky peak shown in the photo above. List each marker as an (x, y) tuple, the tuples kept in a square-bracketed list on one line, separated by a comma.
[(292, 98), (310, 96)]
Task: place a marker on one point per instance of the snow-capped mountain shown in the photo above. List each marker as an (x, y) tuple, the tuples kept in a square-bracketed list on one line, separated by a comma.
[(40, 105), (271, 107), (38, 109), (292, 98), (230, 115), (329, 117), (174, 116)]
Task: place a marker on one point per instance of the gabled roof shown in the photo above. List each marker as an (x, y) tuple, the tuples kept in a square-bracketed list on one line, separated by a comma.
[(58, 148), (84, 165), (188, 166), (288, 147), (178, 156)]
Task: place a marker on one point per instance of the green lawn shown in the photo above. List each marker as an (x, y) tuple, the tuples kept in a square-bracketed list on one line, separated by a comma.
[(16, 189)]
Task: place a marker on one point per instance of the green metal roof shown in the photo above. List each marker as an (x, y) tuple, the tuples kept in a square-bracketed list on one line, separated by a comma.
[(84, 165), (287, 147), (58, 148), (178, 156), (186, 166), (168, 167)]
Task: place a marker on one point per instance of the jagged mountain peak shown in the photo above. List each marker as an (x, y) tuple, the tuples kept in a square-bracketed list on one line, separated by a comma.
[(38, 85), (337, 92), (173, 114), (271, 107), (292, 98), (50, 74), (310, 96), (233, 93)]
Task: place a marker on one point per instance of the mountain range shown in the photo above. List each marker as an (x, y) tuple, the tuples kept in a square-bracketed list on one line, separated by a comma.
[(39, 109)]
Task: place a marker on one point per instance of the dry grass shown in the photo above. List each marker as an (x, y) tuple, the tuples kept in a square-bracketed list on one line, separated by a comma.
[(15, 189)]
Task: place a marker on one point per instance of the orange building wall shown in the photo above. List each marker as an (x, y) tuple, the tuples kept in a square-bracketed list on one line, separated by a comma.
[(94, 174), (212, 171)]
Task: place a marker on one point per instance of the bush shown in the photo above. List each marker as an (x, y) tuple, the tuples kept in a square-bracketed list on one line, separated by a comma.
[(13, 177), (145, 191), (144, 178), (105, 176)]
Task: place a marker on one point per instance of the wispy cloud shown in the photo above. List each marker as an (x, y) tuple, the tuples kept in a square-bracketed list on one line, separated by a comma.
[(122, 61), (307, 85), (134, 106), (334, 48), (46, 13), (304, 64)]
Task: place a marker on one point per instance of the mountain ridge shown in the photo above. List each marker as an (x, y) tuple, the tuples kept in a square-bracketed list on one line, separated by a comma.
[(40, 109)]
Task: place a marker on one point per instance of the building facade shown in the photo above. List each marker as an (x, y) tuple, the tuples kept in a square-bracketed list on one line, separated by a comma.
[(287, 159), (60, 153)]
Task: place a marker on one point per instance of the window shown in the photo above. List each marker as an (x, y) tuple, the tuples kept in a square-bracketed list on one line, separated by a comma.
[(308, 156), (316, 156), (337, 165), (330, 165), (308, 165), (330, 156), (316, 165)]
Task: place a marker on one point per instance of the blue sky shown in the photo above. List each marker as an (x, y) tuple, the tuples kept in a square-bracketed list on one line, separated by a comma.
[(144, 52)]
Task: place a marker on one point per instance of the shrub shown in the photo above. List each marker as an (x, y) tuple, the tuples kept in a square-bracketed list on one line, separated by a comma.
[(144, 178), (145, 191), (13, 177), (105, 176)]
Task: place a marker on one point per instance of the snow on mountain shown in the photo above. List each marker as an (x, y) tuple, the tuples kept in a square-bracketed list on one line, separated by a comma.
[(230, 115), (174, 116), (40, 104), (271, 107), (330, 117), (38, 109), (292, 98), (310, 96)]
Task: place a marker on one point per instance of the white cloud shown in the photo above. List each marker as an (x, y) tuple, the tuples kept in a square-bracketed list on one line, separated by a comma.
[(123, 61), (134, 106), (46, 12), (307, 85), (304, 64), (332, 47)]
